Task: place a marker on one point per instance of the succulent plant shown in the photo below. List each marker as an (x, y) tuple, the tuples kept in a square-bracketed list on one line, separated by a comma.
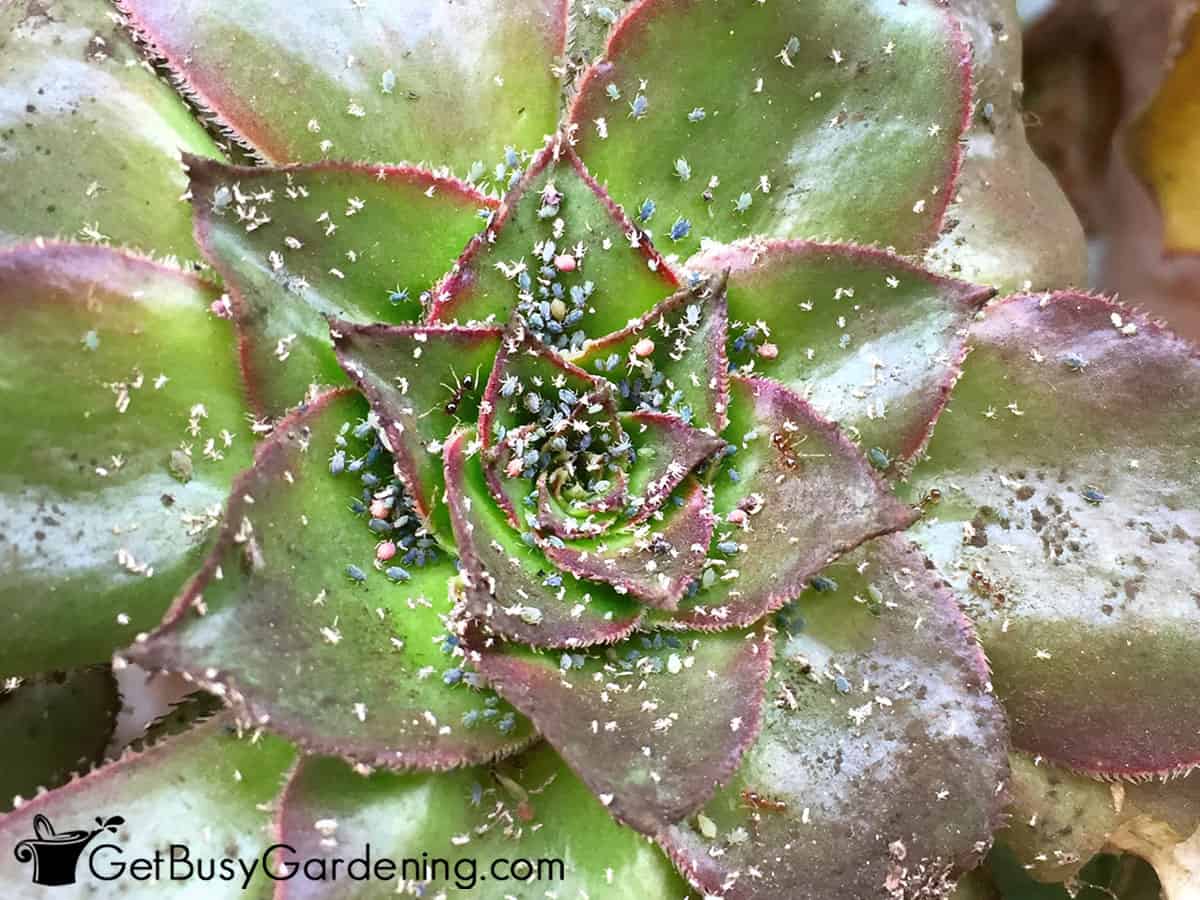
[(620, 493)]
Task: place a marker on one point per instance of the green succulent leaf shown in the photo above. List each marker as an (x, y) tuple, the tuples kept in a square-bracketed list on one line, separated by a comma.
[(653, 725), (871, 341), (666, 450), (412, 80), (1009, 223), (681, 344), (1060, 819), (54, 725), (556, 236), (208, 789), (530, 807), (421, 381), (1069, 515), (97, 533), (882, 754), (298, 619), (655, 561), (299, 245), (822, 119), (792, 496), (509, 587), (89, 139)]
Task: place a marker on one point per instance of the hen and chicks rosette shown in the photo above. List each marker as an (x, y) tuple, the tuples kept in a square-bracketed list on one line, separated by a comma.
[(605, 474)]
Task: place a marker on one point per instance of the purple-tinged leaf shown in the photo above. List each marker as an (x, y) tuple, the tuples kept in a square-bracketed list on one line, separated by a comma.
[(528, 808), (119, 446), (54, 725), (821, 119), (526, 385), (682, 340), (208, 790), (557, 228), (1068, 513), (882, 756), (569, 522), (653, 725), (510, 588), (299, 619), (91, 138), (654, 561), (413, 80), (792, 497), (298, 245), (1009, 223), (421, 381), (870, 340), (667, 449)]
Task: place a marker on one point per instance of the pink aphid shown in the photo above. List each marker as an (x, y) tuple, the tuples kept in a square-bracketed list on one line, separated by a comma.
[(221, 308), (737, 517), (379, 510), (768, 351), (565, 262), (643, 348), (385, 551)]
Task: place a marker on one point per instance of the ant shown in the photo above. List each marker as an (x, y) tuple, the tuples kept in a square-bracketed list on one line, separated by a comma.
[(458, 392), (755, 800)]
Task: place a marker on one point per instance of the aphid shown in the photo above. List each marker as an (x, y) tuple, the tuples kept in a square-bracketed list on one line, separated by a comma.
[(647, 210), (1093, 495), (823, 584), (683, 169), (637, 109), (879, 458), (355, 574), (681, 229), (1074, 362), (397, 574), (755, 800), (697, 114), (399, 295), (614, 92), (743, 202)]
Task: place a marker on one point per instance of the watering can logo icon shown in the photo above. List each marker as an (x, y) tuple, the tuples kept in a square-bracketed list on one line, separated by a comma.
[(55, 854)]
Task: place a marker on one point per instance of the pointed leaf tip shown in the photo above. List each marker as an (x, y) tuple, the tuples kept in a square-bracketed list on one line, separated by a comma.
[(652, 725), (359, 608)]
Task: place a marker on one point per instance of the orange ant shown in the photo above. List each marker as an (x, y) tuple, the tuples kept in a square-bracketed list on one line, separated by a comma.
[(755, 800)]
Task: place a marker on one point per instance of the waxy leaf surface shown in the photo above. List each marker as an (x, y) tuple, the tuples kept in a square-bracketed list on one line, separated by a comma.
[(291, 618), (1069, 517), (829, 119), (653, 725), (483, 820), (89, 139), (295, 246), (510, 588), (208, 790), (558, 236), (439, 82), (793, 496), (882, 755), (869, 340), (54, 725), (120, 446)]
